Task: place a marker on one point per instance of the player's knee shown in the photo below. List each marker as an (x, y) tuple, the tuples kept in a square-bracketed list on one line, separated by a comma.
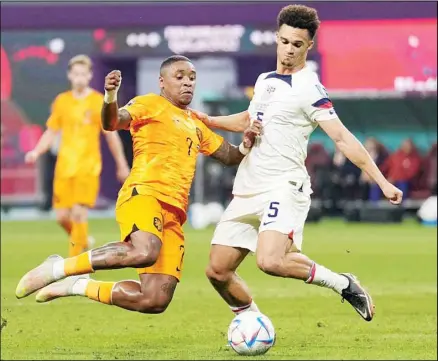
[(79, 214), (145, 258), (147, 251), (62, 218), (267, 264), (217, 274), (153, 304)]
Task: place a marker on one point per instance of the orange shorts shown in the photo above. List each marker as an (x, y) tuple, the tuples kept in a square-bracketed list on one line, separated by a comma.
[(77, 190), (148, 214)]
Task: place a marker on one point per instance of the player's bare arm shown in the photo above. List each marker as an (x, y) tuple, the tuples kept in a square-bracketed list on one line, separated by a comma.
[(233, 123), (353, 149), (230, 154), (113, 118), (42, 146)]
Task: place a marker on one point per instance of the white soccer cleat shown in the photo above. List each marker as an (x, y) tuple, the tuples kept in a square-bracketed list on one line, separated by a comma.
[(58, 289), (37, 278)]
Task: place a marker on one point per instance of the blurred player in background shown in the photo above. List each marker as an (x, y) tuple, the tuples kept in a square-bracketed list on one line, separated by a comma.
[(76, 115), (272, 188), (151, 207)]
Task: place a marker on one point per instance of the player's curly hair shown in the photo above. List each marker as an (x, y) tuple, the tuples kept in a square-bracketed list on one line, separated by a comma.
[(173, 59), (299, 16)]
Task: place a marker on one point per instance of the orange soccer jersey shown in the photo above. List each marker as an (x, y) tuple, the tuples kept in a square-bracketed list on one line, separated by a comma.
[(80, 126), (166, 141)]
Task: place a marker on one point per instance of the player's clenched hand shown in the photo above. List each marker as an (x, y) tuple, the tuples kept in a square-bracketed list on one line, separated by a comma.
[(203, 117), (250, 134), (113, 81), (31, 157), (392, 193)]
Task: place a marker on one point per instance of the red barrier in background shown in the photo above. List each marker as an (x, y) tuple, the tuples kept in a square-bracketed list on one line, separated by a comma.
[(379, 54), (19, 181)]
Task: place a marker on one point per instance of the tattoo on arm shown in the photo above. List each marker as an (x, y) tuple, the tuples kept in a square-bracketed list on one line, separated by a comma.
[(113, 118), (111, 256), (124, 119), (169, 287), (228, 154)]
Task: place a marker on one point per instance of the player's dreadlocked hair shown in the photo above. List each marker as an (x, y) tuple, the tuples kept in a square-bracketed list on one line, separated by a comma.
[(173, 59), (299, 16)]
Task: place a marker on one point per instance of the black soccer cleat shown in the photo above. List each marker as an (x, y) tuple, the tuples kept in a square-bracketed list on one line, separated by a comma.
[(356, 296)]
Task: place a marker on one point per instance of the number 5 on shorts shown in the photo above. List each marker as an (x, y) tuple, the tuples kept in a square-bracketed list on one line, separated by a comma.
[(273, 210)]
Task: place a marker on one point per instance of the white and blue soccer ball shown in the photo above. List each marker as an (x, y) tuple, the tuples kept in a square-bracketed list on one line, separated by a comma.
[(251, 333)]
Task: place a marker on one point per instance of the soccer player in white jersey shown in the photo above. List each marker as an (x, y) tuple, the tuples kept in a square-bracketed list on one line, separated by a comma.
[(272, 187)]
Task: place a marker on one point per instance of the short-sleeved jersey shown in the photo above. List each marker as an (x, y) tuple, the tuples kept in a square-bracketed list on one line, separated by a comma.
[(79, 122), (289, 107), (166, 141)]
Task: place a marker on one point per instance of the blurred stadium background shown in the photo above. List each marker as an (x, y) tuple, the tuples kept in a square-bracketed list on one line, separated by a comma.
[(378, 62)]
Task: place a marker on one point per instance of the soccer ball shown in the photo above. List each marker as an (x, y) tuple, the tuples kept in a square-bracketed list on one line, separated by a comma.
[(251, 333)]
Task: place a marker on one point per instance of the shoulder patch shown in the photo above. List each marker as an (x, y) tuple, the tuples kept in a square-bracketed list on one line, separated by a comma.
[(324, 103)]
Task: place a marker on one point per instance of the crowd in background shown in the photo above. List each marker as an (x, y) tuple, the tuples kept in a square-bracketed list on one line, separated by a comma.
[(336, 179)]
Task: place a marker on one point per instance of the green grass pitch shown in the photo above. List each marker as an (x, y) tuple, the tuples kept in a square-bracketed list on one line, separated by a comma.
[(397, 263)]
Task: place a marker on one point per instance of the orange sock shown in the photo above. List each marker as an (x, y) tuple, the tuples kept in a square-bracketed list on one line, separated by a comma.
[(78, 265), (78, 239), (100, 291)]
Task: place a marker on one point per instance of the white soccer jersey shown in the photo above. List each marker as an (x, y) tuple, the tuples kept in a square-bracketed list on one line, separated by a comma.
[(289, 107)]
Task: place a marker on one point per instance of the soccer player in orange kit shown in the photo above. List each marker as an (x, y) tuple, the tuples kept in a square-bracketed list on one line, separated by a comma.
[(76, 114), (152, 204)]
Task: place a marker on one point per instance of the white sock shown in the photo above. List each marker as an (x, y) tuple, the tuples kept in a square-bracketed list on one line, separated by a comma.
[(251, 307), (321, 276), (58, 269), (80, 286)]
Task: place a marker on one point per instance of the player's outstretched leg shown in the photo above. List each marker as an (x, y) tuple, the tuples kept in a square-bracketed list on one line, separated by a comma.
[(221, 271), (152, 294), (274, 259), (141, 250)]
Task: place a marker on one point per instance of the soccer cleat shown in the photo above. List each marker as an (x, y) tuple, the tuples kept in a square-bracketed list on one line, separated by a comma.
[(58, 289), (356, 296), (37, 278)]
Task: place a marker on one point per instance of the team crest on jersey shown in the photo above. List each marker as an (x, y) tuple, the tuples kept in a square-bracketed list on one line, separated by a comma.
[(157, 224), (270, 89), (199, 134)]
